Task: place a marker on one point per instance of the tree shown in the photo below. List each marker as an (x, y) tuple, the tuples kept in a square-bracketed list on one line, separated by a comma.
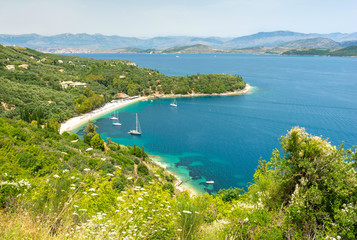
[(97, 142)]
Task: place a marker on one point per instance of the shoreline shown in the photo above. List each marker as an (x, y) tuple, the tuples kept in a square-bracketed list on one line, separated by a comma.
[(245, 90), (178, 181), (79, 120)]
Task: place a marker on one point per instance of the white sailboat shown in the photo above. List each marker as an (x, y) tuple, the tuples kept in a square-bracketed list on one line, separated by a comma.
[(116, 122), (173, 103), (137, 130), (113, 117)]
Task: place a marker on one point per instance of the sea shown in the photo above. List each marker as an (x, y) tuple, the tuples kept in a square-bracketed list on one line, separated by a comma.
[(222, 138)]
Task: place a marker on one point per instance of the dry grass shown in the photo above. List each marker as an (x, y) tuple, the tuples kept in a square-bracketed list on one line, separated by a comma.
[(20, 225)]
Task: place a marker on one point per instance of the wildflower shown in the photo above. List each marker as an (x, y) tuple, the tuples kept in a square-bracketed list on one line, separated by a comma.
[(73, 188), (82, 210), (149, 218), (66, 170), (140, 199), (180, 230), (184, 211), (246, 220), (84, 192), (130, 211), (86, 169), (91, 189), (116, 211), (94, 194), (73, 177), (109, 174), (55, 176), (75, 206), (74, 213)]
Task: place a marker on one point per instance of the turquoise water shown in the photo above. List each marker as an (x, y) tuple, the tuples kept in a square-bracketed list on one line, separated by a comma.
[(222, 138)]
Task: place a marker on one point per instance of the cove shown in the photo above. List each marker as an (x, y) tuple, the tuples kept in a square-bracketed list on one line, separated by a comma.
[(222, 138)]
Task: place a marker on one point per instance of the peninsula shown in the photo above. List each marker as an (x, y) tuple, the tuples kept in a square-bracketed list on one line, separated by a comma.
[(38, 86)]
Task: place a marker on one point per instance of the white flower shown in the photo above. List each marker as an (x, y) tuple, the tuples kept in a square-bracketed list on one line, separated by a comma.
[(73, 177), (86, 169), (73, 188), (140, 199), (82, 210), (66, 170), (75, 213), (55, 176), (94, 194), (184, 211), (130, 211), (84, 192), (109, 174), (246, 220), (91, 189), (75, 206)]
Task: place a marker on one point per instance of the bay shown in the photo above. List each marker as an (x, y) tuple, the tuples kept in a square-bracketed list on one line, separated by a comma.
[(222, 138)]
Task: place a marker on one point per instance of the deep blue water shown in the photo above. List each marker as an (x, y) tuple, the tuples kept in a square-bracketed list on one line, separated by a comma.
[(222, 138)]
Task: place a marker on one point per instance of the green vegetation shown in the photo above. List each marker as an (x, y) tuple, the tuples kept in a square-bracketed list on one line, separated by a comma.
[(343, 52), (56, 187), (31, 89)]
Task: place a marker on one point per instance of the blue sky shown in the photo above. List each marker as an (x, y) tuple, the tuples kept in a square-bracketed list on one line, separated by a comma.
[(149, 18)]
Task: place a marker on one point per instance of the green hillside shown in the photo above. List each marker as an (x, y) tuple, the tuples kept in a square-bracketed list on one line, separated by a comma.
[(58, 187), (31, 86), (343, 52)]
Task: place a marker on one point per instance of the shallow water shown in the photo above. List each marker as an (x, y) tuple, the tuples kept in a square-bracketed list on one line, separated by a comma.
[(222, 138)]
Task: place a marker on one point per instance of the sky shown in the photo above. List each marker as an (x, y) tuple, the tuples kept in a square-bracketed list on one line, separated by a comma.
[(150, 18)]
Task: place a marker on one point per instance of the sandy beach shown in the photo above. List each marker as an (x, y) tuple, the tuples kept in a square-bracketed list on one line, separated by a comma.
[(75, 122)]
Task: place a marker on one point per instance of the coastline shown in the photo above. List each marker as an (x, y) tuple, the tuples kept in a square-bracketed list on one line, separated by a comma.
[(245, 90), (178, 182), (77, 121)]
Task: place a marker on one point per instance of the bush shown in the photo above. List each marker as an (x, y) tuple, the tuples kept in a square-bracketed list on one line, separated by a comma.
[(169, 187), (143, 169)]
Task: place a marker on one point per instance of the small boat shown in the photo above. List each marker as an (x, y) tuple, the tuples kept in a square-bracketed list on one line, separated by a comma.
[(210, 182), (173, 103), (137, 130), (116, 122), (113, 117)]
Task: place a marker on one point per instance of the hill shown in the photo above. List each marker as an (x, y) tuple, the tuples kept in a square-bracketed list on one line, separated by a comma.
[(344, 52), (60, 187), (38, 86), (198, 48), (311, 43)]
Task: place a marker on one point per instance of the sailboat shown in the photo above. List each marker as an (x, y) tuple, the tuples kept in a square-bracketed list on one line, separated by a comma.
[(173, 103), (137, 130), (116, 122), (113, 117)]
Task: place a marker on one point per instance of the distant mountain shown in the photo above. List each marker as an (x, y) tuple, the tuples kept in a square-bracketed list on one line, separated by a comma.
[(312, 43), (278, 37), (198, 48), (68, 43)]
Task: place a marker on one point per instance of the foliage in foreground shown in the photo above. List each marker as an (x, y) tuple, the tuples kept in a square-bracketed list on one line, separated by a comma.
[(49, 182)]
